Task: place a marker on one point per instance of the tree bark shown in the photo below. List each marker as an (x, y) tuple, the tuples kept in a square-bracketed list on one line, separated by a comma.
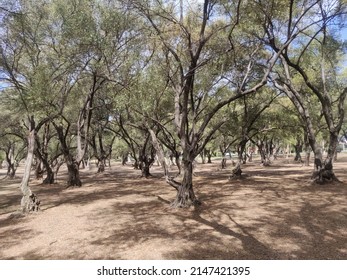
[(73, 174), (209, 156), (145, 171), (307, 157), (11, 164), (38, 170), (236, 172), (224, 163), (11, 171), (307, 149), (324, 170), (185, 193), (178, 163), (146, 162), (72, 164), (29, 202), (49, 177), (298, 150)]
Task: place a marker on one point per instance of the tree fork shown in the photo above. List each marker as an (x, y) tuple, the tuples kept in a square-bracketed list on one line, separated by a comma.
[(185, 194)]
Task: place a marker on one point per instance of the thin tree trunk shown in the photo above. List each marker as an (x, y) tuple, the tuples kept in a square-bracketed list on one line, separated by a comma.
[(11, 169), (224, 163), (307, 157), (29, 200), (307, 149), (72, 165), (178, 163), (298, 150), (209, 156), (203, 157)]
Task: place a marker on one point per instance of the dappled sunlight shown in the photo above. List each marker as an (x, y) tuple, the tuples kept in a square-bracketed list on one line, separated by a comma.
[(271, 213)]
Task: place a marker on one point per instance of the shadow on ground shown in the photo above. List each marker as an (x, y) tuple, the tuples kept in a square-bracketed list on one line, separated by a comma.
[(270, 214)]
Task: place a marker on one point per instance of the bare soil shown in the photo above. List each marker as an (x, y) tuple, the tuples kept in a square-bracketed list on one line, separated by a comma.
[(272, 213)]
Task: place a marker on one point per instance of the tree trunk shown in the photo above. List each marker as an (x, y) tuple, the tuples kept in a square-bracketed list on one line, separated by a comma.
[(49, 177), (145, 164), (203, 157), (124, 159), (11, 170), (241, 150), (178, 163), (250, 152), (73, 174), (224, 163), (38, 170), (145, 171), (298, 150), (101, 166), (136, 164), (72, 164), (209, 156), (185, 194), (323, 172), (307, 157), (263, 155), (42, 161), (50, 174), (236, 172), (307, 148), (29, 202)]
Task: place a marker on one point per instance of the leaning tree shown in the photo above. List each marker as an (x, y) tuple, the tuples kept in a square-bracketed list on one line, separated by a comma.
[(315, 49)]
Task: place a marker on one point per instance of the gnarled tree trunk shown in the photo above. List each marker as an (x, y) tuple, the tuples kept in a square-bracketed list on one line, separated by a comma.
[(49, 177), (29, 202), (73, 173), (324, 170), (72, 165), (185, 193), (236, 172)]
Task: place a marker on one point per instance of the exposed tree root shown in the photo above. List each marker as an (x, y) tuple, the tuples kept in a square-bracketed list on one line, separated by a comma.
[(324, 176), (30, 203), (185, 202)]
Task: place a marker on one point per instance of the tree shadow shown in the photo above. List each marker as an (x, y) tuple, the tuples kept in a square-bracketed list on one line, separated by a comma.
[(252, 248), (324, 229), (129, 218), (7, 240)]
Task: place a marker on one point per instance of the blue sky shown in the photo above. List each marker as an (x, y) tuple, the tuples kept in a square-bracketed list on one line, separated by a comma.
[(344, 34)]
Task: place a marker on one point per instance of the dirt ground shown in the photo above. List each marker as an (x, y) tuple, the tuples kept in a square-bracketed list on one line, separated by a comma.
[(273, 213)]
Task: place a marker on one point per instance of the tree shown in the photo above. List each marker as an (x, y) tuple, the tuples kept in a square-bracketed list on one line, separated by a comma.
[(250, 116), (12, 139), (22, 72), (207, 69), (314, 37)]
